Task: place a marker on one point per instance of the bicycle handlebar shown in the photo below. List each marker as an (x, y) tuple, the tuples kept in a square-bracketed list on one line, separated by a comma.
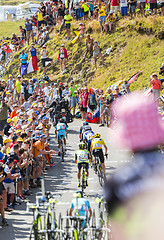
[(74, 218), (97, 229)]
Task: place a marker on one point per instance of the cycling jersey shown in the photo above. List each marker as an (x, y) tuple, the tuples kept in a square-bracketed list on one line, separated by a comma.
[(97, 143), (83, 206), (61, 130), (87, 135), (82, 156)]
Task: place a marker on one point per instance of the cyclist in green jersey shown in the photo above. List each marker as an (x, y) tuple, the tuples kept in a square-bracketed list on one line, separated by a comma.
[(82, 157)]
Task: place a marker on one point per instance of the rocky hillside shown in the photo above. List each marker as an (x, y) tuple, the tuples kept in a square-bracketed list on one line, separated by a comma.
[(136, 45)]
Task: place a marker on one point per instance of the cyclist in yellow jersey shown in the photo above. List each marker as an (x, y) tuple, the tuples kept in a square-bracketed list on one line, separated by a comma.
[(96, 149)]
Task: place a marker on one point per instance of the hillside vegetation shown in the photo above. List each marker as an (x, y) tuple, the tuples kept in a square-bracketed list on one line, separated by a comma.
[(136, 45), (14, 2)]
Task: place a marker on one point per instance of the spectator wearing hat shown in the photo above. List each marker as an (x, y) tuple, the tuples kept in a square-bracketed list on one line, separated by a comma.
[(102, 15), (45, 58), (23, 59), (85, 6), (97, 53), (6, 148), (77, 9), (134, 189), (7, 127), (156, 87), (7, 50), (62, 57), (67, 20)]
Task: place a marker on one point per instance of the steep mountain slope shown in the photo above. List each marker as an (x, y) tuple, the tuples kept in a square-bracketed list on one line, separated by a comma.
[(136, 45)]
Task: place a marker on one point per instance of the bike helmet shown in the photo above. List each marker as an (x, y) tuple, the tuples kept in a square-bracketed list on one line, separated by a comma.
[(87, 128), (78, 194), (62, 120), (81, 146), (97, 135), (85, 123)]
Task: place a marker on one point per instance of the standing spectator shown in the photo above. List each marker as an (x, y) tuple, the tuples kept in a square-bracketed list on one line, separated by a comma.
[(40, 18), (29, 31), (142, 4), (7, 50), (62, 56), (33, 52), (22, 33), (124, 7), (132, 8), (153, 6), (23, 59), (85, 6), (85, 101), (92, 103), (45, 58), (102, 15), (3, 114), (43, 8), (118, 92), (60, 13), (77, 10), (67, 19), (10, 83), (97, 53), (72, 90), (156, 87), (89, 46), (18, 87), (91, 7), (115, 6), (162, 7)]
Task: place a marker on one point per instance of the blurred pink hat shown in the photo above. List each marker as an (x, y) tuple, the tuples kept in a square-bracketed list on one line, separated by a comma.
[(138, 126)]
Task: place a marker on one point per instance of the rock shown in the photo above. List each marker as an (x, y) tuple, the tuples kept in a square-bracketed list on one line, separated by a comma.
[(78, 67)]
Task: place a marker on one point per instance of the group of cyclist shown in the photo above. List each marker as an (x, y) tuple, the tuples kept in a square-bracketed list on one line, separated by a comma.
[(90, 146)]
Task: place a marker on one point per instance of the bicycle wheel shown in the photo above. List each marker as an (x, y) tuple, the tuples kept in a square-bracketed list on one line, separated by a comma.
[(94, 219), (62, 151), (101, 175), (49, 221), (83, 182), (36, 227)]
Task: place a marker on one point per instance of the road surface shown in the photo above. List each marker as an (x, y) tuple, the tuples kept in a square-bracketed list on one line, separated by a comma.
[(62, 179)]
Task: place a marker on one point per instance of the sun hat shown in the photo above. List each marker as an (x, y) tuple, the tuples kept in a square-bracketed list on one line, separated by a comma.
[(18, 131), (10, 75), (154, 74), (62, 45), (139, 125), (7, 140), (20, 139), (9, 120)]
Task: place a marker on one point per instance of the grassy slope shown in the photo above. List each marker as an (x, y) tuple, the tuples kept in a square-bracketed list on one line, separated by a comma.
[(14, 2), (7, 28), (132, 51)]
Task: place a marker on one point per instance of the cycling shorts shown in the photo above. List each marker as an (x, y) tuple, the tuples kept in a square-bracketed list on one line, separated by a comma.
[(98, 153), (61, 135), (79, 165)]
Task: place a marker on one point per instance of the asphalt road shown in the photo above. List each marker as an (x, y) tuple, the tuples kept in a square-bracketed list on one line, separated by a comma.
[(62, 179)]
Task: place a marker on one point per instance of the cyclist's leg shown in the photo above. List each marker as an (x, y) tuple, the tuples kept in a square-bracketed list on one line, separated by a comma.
[(79, 173), (87, 173), (101, 156)]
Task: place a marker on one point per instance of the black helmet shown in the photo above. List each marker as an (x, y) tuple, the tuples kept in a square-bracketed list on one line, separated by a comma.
[(62, 120)]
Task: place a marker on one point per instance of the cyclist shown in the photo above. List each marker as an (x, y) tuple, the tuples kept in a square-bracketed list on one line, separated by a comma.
[(61, 132), (81, 205), (96, 149), (82, 157), (84, 128)]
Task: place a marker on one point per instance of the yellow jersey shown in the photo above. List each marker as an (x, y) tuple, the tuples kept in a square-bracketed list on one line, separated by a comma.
[(97, 143), (67, 18), (86, 8)]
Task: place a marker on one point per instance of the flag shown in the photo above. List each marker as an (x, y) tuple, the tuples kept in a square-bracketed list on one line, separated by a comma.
[(93, 116), (31, 66), (134, 77)]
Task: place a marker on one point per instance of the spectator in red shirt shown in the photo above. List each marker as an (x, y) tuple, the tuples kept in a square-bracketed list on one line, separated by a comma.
[(115, 6), (62, 56), (156, 87)]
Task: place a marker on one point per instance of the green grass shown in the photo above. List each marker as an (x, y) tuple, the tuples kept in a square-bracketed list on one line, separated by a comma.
[(133, 50), (7, 28), (14, 2)]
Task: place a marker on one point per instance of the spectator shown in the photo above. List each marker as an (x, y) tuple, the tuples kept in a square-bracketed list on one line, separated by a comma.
[(3, 114), (7, 50), (45, 58), (72, 90), (112, 19), (22, 34), (97, 53), (92, 103), (91, 8), (67, 19), (102, 15), (89, 46), (153, 6), (118, 92), (132, 8), (124, 7), (85, 6), (162, 7), (77, 9), (29, 31), (62, 57), (10, 83), (40, 18), (115, 6), (156, 87), (23, 59), (142, 4)]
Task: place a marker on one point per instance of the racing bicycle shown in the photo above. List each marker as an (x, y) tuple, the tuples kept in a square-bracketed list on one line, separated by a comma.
[(99, 171)]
